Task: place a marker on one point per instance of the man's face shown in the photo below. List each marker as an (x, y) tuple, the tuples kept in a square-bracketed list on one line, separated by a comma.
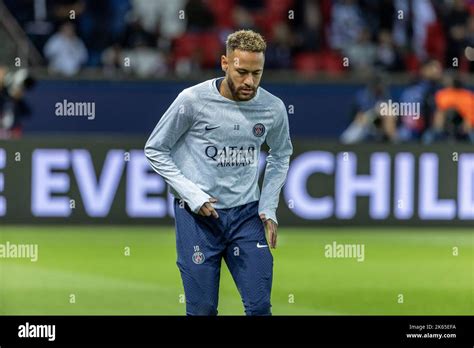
[(243, 73)]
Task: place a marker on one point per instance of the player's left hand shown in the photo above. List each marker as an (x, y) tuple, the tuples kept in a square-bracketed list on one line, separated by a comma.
[(271, 229)]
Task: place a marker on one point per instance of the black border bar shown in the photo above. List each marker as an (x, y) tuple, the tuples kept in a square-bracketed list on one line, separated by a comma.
[(288, 330)]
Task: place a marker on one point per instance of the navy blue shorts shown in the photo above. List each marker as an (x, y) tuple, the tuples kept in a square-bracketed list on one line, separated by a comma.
[(238, 237)]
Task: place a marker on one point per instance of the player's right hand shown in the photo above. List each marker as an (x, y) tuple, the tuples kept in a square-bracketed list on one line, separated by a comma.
[(207, 209)]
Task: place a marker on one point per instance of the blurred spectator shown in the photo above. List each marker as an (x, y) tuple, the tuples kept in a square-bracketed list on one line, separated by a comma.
[(346, 24), (135, 33), (278, 53), (403, 24), (61, 10), (161, 15), (306, 25), (13, 108), (454, 116), (65, 51), (469, 50), (95, 28), (369, 124), (252, 5), (456, 30), (39, 18), (411, 22), (118, 17), (388, 57), (422, 94), (138, 54), (112, 61), (423, 16), (362, 53), (404, 32), (145, 61), (199, 16), (470, 31), (242, 18), (378, 14)]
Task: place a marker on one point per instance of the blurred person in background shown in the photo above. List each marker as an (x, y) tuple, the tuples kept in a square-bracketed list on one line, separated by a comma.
[(454, 115), (456, 22), (362, 53), (161, 16), (40, 18), (112, 61), (469, 49), (135, 32), (388, 55), (410, 25), (60, 10), (145, 60), (134, 36), (13, 108), (422, 93), (307, 25), (346, 24), (279, 51), (244, 12), (65, 51), (199, 16), (368, 123), (97, 29), (378, 14), (136, 53)]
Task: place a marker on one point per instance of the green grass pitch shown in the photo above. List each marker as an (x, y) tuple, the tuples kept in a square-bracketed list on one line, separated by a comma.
[(89, 262)]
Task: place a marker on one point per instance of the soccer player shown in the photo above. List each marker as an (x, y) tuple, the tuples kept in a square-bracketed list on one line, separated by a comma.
[(206, 147)]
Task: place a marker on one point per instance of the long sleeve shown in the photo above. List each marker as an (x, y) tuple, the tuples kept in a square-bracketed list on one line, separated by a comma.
[(176, 121), (278, 160)]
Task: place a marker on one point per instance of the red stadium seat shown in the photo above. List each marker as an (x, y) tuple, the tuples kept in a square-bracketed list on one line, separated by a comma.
[(222, 10), (206, 46), (185, 45), (464, 64), (332, 62), (212, 49), (275, 12), (278, 9), (308, 63), (328, 62), (326, 9), (412, 63)]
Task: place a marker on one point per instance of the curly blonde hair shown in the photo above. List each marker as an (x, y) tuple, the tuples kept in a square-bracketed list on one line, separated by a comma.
[(245, 40)]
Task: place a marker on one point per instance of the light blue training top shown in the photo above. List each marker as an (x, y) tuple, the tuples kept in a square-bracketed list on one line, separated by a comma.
[(206, 145)]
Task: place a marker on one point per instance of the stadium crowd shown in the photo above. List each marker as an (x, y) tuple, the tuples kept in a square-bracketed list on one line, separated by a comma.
[(436, 106), (152, 38)]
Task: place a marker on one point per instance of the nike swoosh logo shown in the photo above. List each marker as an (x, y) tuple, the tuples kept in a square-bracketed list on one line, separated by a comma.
[(261, 246), (211, 128)]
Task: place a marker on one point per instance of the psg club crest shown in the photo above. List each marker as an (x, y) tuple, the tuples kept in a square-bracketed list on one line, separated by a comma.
[(258, 130), (198, 257)]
